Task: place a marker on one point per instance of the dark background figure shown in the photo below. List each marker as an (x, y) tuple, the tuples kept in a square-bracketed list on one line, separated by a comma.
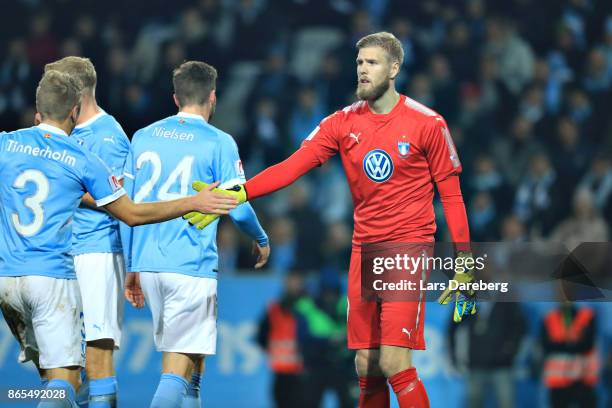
[(278, 336), (485, 347)]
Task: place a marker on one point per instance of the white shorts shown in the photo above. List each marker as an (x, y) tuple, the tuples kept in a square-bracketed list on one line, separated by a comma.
[(101, 277), (184, 310), (45, 317)]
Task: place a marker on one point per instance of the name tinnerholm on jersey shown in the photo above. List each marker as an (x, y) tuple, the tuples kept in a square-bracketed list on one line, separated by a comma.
[(47, 153), (172, 134)]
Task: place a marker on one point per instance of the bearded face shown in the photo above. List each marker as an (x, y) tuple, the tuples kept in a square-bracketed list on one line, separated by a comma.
[(373, 73)]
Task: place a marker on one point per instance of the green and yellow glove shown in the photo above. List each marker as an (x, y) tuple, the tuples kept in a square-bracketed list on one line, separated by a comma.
[(202, 220), (465, 301)]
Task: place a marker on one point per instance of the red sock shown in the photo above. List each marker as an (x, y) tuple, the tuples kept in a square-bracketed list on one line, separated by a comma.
[(409, 389), (374, 392)]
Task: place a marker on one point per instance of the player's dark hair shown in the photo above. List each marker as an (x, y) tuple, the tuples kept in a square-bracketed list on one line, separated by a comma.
[(387, 42), (193, 82), (78, 67), (57, 94)]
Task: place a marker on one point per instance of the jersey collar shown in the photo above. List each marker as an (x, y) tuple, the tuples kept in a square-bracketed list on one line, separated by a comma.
[(190, 115), (52, 129), (91, 120)]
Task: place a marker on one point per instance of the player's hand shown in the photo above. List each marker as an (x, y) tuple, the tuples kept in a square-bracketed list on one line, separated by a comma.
[(211, 200), (465, 301), (133, 291), (201, 220), (237, 191), (263, 253)]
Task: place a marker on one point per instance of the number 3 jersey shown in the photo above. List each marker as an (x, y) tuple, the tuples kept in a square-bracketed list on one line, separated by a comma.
[(390, 161), (165, 158), (43, 175)]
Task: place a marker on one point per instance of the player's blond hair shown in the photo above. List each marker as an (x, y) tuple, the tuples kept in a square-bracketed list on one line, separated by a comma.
[(387, 42), (78, 67), (57, 94)]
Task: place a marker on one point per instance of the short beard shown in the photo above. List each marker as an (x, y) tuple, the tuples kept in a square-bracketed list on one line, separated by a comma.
[(373, 94)]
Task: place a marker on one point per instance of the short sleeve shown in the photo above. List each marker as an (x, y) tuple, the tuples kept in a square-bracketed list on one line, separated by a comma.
[(440, 150), (116, 149), (323, 140), (228, 168), (99, 182), (129, 173)]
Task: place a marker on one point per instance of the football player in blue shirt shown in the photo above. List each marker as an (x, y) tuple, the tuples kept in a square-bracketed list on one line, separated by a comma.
[(43, 176), (96, 243), (177, 264)]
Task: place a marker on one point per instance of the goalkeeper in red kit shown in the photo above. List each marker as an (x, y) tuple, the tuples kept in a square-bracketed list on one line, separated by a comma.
[(393, 150)]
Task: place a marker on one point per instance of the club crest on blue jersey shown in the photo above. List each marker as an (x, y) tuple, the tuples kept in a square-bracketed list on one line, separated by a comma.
[(404, 148), (378, 166)]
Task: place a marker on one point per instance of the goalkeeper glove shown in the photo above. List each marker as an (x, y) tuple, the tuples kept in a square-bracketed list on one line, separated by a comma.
[(465, 301), (202, 220)]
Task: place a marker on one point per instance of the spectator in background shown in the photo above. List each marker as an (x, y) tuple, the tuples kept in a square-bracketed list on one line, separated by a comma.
[(444, 87), (571, 155), (116, 79), (262, 139), (489, 351), (336, 246), (460, 52), (306, 115), (598, 180), (586, 225), (333, 89), (328, 364), (419, 89), (487, 178), (275, 81), (514, 152), (16, 82), (536, 202), (42, 45), (283, 234), (308, 223), (278, 336), (598, 78), (482, 215), (570, 361), (330, 193), (514, 55)]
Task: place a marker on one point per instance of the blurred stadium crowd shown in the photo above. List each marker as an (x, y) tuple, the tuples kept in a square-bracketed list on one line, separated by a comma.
[(525, 85)]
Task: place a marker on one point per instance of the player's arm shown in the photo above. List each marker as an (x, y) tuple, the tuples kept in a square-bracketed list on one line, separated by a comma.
[(206, 201), (445, 167), (88, 201), (245, 219)]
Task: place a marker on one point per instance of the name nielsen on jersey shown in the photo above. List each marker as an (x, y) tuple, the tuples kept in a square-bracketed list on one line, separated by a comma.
[(172, 134)]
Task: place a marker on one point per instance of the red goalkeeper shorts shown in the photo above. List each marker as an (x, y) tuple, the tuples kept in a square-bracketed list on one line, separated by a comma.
[(374, 323)]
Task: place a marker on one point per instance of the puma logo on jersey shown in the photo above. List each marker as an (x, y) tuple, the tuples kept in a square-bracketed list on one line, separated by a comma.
[(355, 136), (408, 332), (109, 139)]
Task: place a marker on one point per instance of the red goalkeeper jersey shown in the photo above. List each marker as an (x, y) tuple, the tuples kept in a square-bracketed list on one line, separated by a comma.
[(390, 161)]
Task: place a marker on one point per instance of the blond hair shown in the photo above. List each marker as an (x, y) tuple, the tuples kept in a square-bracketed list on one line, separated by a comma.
[(387, 42), (78, 67), (56, 95)]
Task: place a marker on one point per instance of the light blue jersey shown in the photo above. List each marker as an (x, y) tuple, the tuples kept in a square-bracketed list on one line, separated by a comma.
[(43, 175), (97, 231), (166, 157)]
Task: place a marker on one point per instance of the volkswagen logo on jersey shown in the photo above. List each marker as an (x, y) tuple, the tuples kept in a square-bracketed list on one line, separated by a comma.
[(378, 165)]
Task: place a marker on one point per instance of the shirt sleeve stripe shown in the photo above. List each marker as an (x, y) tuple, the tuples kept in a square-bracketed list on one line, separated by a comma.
[(109, 199)]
